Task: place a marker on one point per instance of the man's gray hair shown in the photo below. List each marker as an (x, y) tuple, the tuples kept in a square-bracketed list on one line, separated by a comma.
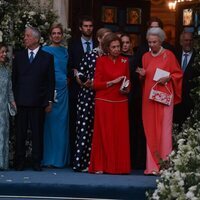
[(35, 32), (156, 31), (185, 33)]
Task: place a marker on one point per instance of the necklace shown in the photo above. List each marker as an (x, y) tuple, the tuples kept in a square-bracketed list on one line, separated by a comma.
[(156, 54)]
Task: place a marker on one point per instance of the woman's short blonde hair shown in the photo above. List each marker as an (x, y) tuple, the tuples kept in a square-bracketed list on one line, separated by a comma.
[(100, 32), (56, 25)]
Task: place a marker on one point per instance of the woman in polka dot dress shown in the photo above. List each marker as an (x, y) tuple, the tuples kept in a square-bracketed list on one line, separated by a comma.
[(85, 106)]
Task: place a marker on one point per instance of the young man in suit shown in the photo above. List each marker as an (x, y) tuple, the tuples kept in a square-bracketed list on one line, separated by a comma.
[(76, 49), (186, 56), (33, 86)]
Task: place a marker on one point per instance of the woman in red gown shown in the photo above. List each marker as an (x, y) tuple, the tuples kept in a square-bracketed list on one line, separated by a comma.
[(110, 145), (157, 117)]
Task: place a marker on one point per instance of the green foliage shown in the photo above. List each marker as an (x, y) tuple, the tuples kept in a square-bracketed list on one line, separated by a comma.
[(15, 16)]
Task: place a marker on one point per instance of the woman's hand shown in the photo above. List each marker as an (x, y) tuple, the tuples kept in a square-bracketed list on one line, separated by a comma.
[(140, 71), (115, 81), (88, 84), (14, 104), (49, 107), (79, 81), (164, 80)]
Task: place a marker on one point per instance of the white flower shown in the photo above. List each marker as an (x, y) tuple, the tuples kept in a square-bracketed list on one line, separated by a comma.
[(190, 195), (41, 40), (42, 17), (46, 24), (193, 188), (181, 141), (32, 13), (1, 36)]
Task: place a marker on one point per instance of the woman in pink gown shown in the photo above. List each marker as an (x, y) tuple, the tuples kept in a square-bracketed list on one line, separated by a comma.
[(157, 117)]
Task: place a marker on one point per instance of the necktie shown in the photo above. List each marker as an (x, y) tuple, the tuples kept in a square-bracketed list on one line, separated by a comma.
[(31, 56), (184, 62), (87, 47)]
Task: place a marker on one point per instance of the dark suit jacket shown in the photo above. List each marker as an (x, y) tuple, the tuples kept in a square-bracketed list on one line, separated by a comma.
[(76, 52), (182, 110), (33, 83)]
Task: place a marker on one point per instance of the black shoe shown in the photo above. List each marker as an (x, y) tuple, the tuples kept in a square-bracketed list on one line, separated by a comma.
[(37, 167), (20, 166)]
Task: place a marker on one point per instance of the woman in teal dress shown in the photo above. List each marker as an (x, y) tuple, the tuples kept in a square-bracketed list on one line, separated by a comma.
[(56, 128), (6, 96)]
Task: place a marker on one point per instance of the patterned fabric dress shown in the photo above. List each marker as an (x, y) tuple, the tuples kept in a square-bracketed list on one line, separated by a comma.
[(85, 114), (6, 95)]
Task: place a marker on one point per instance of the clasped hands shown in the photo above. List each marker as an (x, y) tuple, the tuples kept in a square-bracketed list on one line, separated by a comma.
[(141, 71), (164, 80), (87, 84)]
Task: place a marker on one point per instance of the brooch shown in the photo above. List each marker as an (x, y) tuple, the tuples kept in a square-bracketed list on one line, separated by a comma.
[(123, 60)]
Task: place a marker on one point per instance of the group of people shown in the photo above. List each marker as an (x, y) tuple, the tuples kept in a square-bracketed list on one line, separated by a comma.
[(89, 106)]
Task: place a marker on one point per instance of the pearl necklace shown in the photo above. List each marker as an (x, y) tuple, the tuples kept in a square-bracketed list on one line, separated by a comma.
[(156, 54)]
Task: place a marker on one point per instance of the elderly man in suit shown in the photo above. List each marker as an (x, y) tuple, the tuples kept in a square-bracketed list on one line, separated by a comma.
[(186, 56), (33, 86), (76, 49)]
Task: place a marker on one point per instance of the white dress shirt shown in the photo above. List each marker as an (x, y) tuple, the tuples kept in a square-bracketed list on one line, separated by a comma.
[(34, 52), (85, 45), (189, 55)]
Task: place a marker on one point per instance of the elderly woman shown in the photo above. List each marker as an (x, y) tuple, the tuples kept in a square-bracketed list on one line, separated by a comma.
[(6, 96), (160, 69), (110, 144)]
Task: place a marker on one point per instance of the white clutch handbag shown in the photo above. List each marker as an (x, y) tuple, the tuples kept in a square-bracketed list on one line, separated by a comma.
[(125, 84), (12, 110), (161, 97)]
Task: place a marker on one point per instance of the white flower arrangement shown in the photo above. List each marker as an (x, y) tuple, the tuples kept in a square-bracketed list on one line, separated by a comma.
[(18, 14)]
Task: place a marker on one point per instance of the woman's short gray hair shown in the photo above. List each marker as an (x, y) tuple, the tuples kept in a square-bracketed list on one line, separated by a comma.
[(156, 31)]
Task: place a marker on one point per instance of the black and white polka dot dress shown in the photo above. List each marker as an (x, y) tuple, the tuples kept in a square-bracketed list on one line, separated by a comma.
[(85, 115)]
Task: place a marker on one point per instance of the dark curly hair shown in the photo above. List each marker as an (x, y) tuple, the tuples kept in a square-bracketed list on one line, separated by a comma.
[(155, 19)]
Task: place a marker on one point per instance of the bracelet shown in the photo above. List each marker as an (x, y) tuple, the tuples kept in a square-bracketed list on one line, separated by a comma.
[(109, 84)]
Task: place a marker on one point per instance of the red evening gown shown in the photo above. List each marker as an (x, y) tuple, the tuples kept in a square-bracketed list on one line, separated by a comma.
[(110, 145)]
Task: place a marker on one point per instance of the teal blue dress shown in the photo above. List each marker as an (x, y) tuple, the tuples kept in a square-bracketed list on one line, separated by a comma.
[(56, 127)]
